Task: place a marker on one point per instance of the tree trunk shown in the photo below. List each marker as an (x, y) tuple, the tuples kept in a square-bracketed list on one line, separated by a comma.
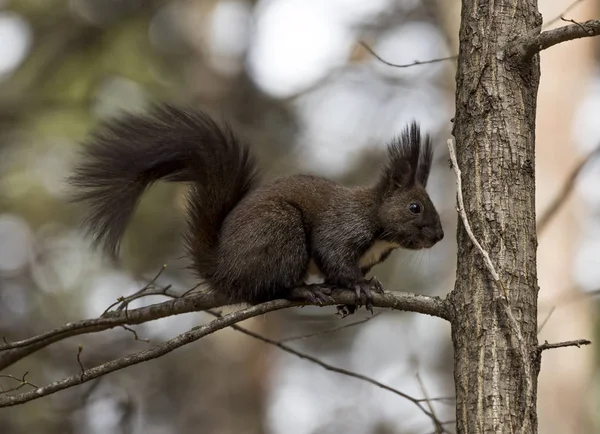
[(495, 136)]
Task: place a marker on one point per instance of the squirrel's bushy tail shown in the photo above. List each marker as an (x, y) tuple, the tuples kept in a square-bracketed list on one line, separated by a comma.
[(128, 154)]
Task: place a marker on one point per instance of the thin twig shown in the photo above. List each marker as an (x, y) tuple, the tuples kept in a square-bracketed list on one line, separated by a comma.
[(566, 190), (568, 20), (158, 291), (439, 428), (112, 319), (406, 65), (543, 324), (189, 291), (23, 382), (124, 301), (561, 16), (514, 324), (463, 215), (578, 343), (322, 364), (446, 422), (145, 355), (448, 400), (331, 330), (135, 335), (82, 369)]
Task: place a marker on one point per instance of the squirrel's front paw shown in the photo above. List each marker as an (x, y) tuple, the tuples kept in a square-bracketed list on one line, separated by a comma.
[(377, 286), (364, 287)]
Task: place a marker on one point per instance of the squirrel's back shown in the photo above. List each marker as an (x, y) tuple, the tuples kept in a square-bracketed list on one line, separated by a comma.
[(269, 240)]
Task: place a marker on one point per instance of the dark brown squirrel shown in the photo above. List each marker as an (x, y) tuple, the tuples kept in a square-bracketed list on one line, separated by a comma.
[(255, 242)]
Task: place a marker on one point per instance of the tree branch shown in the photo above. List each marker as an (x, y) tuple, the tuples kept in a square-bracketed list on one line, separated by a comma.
[(543, 324), (13, 352), (562, 15), (463, 216), (578, 343), (22, 382), (405, 65), (328, 367), (196, 333), (439, 427), (142, 356), (331, 330), (526, 46), (10, 353)]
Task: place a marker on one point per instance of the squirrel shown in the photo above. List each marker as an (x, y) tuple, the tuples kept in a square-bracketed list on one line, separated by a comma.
[(253, 242)]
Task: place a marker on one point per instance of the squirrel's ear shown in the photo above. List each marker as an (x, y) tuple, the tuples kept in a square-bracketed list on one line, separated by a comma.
[(425, 161), (405, 165), (402, 175)]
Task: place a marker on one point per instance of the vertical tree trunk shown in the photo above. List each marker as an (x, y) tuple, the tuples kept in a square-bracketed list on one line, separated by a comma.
[(495, 135)]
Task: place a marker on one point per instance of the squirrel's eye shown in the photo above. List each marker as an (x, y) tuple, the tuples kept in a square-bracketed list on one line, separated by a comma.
[(415, 208)]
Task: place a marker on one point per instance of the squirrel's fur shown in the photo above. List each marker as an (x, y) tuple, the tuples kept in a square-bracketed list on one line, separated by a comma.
[(254, 242)]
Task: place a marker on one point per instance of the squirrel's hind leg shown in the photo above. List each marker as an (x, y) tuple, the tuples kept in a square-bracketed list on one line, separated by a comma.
[(263, 254)]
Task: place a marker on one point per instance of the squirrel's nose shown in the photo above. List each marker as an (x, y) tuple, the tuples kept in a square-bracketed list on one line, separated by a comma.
[(439, 235)]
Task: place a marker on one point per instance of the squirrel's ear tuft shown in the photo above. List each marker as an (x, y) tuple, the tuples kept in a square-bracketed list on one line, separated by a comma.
[(409, 158)]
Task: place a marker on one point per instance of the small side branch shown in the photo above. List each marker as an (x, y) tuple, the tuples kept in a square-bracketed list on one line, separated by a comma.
[(22, 382), (562, 15), (331, 330), (439, 427), (123, 302), (543, 324), (529, 45), (578, 343), (82, 369), (404, 65), (463, 215), (326, 366)]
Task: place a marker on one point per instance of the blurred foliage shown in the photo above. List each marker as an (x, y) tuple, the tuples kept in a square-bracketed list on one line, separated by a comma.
[(89, 59)]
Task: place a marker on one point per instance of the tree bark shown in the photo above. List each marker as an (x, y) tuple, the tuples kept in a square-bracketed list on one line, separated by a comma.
[(494, 129)]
